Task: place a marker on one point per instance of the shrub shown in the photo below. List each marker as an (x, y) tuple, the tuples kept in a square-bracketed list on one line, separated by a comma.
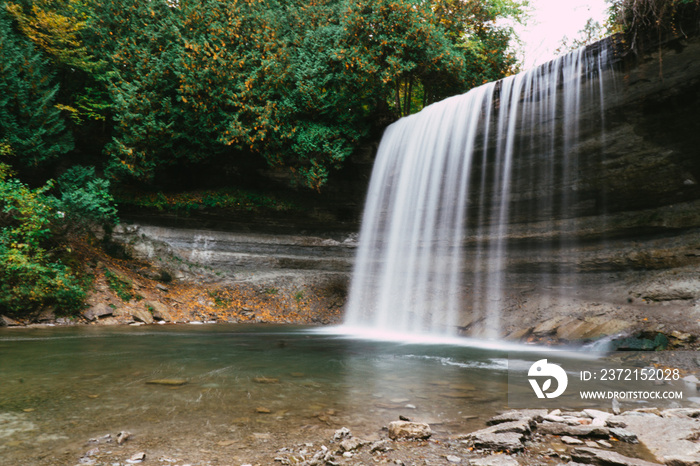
[(85, 198), (31, 272)]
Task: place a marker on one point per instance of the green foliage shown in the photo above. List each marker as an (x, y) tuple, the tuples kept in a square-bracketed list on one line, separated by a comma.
[(32, 274), (85, 198), (301, 83), (185, 202), (32, 129), (57, 28)]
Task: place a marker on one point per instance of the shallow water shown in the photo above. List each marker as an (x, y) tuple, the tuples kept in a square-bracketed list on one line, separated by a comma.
[(61, 387), (242, 392)]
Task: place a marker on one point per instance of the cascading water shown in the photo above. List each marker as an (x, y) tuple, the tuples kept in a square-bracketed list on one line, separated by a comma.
[(433, 250)]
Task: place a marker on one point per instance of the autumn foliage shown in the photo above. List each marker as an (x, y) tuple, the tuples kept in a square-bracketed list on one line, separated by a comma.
[(299, 83)]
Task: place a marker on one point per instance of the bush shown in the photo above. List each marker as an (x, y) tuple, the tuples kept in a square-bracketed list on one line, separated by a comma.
[(31, 272), (85, 199)]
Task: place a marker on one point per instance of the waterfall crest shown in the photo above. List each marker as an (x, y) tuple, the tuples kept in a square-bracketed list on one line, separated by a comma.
[(433, 251)]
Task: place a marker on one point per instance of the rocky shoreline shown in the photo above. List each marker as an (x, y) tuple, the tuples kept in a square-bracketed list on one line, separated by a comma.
[(641, 437), (158, 275)]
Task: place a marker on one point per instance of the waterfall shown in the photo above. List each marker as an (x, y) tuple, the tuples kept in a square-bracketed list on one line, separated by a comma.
[(433, 250)]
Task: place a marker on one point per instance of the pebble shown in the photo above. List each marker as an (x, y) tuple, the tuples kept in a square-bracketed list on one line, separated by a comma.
[(137, 458), (341, 434), (453, 459), (122, 437)]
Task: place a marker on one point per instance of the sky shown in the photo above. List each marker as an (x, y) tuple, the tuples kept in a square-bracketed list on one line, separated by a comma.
[(550, 21)]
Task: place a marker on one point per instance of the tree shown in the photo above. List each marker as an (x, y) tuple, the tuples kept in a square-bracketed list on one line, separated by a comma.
[(32, 129), (300, 83), (141, 43), (57, 29), (591, 32)]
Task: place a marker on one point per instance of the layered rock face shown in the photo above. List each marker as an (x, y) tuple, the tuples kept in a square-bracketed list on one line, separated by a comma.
[(612, 245)]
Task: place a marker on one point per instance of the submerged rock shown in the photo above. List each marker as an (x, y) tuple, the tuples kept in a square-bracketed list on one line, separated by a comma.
[(265, 380), (169, 382)]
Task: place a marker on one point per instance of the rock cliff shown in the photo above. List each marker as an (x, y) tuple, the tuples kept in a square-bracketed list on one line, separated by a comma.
[(621, 257)]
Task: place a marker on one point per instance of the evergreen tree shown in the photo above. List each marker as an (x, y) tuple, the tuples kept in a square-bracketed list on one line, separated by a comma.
[(32, 129)]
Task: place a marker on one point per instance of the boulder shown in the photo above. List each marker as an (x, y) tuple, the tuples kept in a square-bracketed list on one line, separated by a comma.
[(48, 314), (97, 311), (8, 322), (409, 430), (160, 311), (142, 315), (590, 328)]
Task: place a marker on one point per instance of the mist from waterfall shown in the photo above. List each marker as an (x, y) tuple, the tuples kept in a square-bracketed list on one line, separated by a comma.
[(433, 253)]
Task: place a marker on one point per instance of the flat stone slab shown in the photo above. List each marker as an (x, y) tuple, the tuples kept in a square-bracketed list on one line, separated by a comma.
[(518, 415), (668, 437), (571, 440), (498, 442), (556, 428), (624, 435), (494, 460), (605, 457), (514, 427)]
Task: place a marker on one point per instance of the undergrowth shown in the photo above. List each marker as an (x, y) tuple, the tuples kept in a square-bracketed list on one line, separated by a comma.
[(185, 202)]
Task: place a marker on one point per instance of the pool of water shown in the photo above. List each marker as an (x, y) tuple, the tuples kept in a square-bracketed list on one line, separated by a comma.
[(249, 389), (235, 394)]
